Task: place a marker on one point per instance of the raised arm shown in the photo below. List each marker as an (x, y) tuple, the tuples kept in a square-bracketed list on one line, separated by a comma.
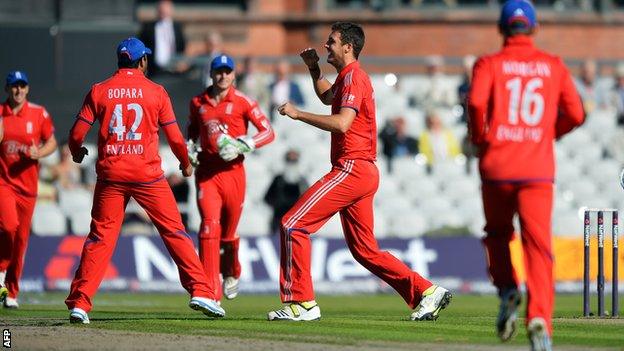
[(337, 123), (322, 87)]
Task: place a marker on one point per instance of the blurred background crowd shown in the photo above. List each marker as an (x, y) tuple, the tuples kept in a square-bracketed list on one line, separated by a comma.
[(429, 183)]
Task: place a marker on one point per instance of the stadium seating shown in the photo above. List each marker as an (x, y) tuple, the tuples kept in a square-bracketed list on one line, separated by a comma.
[(49, 220), (410, 201)]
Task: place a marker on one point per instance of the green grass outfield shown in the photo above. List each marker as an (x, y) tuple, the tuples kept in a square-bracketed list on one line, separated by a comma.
[(346, 320)]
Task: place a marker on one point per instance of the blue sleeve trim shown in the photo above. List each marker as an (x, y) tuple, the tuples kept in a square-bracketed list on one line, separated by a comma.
[(168, 123), (80, 118)]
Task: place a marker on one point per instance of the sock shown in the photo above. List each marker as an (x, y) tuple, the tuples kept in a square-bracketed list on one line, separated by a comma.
[(429, 290), (308, 304)]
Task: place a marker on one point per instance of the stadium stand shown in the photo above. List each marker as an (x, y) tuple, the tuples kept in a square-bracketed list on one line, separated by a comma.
[(411, 201)]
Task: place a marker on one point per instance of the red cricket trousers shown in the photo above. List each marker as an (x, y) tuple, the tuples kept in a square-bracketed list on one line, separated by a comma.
[(16, 211), (533, 202), (109, 203), (220, 198), (348, 189)]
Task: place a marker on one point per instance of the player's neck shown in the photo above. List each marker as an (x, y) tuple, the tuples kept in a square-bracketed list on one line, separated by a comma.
[(16, 107), (347, 61), (217, 94)]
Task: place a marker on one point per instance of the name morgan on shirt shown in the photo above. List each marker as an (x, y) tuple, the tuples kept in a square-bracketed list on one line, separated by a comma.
[(526, 69)]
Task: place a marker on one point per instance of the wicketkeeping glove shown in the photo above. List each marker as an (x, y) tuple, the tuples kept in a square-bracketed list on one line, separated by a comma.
[(193, 150), (228, 147), (246, 144)]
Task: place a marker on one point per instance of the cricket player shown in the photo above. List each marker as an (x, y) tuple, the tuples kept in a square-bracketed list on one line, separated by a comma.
[(26, 135), (520, 101), (347, 189), (130, 109), (219, 118)]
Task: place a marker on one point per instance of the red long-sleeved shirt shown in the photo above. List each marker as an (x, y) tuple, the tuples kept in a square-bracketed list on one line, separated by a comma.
[(520, 100), (232, 115), (31, 125), (130, 109)]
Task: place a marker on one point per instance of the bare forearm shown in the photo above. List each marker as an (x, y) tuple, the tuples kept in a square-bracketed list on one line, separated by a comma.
[(322, 87), (331, 123), (48, 147)]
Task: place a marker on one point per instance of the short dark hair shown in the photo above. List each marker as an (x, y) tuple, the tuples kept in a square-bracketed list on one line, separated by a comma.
[(510, 31), (350, 33), (123, 62)]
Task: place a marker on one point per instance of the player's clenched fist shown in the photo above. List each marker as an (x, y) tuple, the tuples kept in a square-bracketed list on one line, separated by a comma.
[(289, 110), (310, 57), (188, 171), (79, 156), (33, 151)]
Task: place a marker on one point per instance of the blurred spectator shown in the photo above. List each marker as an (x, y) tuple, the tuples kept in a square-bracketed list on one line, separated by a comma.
[(66, 173), (436, 91), (166, 38), (615, 146), (396, 142), (46, 192), (591, 94), (467, 146), (283, 89), (214, 48), (464, 87), (437, 142), (285, 189), (616, 95), (253, 83)]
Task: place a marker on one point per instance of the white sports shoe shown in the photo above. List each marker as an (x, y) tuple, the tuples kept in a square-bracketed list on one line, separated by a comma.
[(230, 287), (207, 306), (78, 316), (297, 311), (508, 314), (10, 302), (433, 300), (538, 335)]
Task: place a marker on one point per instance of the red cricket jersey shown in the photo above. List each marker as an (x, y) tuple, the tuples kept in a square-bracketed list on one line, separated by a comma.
[(353, 89), (130, 109), (520, 100), (231, 116), (32, 124)]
